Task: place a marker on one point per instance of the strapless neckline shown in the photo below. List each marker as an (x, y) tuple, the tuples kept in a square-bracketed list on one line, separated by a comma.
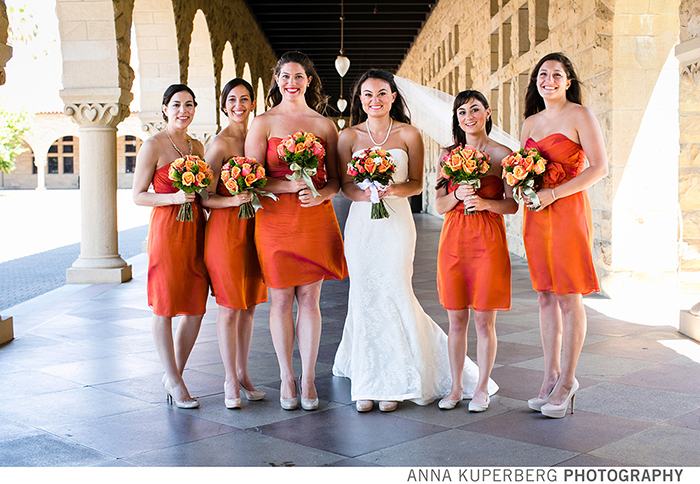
[(553, 134)]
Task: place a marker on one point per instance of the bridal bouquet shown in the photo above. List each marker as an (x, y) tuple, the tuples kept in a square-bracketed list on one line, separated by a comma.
[(241, 174), (301, 151), (373, 168), (520, 169), (191, 175), (465, 165)]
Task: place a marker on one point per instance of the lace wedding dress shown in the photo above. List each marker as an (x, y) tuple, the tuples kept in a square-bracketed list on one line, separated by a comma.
[(391, 349)]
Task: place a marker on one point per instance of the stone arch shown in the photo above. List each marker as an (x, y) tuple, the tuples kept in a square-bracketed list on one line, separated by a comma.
[(260, 96), (159, 66), (228, 70), (201, 78)]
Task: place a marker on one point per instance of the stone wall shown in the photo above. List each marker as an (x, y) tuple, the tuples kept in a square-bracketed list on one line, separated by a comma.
[(622, 53)]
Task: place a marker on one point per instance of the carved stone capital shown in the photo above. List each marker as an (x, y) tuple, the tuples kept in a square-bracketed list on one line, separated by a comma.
[(97, 114), (152, 127), (688, 55), (692, 71)]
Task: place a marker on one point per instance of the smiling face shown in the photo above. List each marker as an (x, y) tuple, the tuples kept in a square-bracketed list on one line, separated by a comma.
[(552, 81), (180, 110), (292, 81), (239, 104), (376, 97), (472, 116)]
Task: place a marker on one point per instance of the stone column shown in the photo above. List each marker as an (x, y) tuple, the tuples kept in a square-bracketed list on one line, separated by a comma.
[(41, 163), (99, 260)]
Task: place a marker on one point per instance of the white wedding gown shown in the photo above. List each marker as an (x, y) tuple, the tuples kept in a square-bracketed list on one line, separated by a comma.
[(391, 349)]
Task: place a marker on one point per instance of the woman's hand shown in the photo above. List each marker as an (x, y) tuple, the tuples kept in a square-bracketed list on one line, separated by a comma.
[(307, 198), (240, 199), (546, 196), (181, 197)]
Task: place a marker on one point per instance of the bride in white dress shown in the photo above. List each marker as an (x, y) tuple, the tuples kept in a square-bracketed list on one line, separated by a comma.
[(391, 349)]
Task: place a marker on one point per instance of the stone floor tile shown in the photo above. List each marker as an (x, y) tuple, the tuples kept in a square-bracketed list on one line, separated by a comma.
[(454, 418), (675, 378), (648, 404), (633, 347), (131, 433), (104, 370), (60, 408), (11, 430), (580, 432), (45, 450), (509, 353), (351, 462), (662, 445), (460, 448), (597, 367), (690, 420), (236, 449), (587, 460), (14, 385), (361, 432)]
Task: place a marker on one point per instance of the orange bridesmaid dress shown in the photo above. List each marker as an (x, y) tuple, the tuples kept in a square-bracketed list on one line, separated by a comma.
[(231, 258), (558, 240), (297, 245), (473, 265), (178, 283)]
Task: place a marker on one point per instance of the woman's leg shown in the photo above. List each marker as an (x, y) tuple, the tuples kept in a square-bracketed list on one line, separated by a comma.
[(282, 332), (227, 331), (486, 346), (551, 333), (245, 337), (309, 334), (457, 349), (185, 337), (574, 324), (163, 339)]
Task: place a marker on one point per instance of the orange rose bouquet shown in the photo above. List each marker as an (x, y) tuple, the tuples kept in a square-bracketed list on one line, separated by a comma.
[(241, 174), (520, 169), (465, 165), (302, 151), (191, 175), (373, 168)]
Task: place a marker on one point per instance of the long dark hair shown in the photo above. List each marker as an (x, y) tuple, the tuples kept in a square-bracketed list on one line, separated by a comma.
[(534, 102), (236, 81), (458, 134), (399, 111), (171, 91), (314, 96)]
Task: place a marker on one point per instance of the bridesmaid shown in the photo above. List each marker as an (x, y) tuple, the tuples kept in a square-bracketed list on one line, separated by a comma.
[(229, 250), (558, 233), (298, 238), (473, 259), (178, 283)]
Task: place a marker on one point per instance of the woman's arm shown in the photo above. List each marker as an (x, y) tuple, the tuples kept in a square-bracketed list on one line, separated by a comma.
[(146, 165), (591, 140), (330, 190), (416, 154)]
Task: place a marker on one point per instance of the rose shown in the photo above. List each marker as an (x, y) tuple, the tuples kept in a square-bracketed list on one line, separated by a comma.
[(453, 162), (554, 174), (529, 162), (318, 149), (484, 168), (200, 177), (470, 165), (519, 172), (231, 185), (351, 170), (225, 176), (539, 167), (511, 180), (250, 179), (188, 178), (189, 164), (235, 172), (370, 166), (245, 169), (260, 172), (290, 145)]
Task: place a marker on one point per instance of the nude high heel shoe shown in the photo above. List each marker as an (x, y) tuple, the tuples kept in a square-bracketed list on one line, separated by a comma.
[(251, 395), (171, 399), (288, 403), (559, 411), (307, 404)]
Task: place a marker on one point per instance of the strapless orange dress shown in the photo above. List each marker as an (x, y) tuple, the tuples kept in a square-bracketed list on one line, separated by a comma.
[(297, 245), (473, 265), (178, 283), (231, 258), (558, 240)]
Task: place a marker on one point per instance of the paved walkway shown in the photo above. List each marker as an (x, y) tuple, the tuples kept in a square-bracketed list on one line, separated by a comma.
[(81, 387)]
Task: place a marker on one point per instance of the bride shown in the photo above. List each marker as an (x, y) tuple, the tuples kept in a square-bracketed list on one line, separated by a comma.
[(391, 349)]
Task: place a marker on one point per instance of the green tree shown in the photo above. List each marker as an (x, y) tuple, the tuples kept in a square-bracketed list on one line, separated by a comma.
[(13, 126)]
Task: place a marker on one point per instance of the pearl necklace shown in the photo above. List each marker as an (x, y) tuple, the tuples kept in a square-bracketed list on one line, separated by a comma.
[(189, 144), (387, 133)]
